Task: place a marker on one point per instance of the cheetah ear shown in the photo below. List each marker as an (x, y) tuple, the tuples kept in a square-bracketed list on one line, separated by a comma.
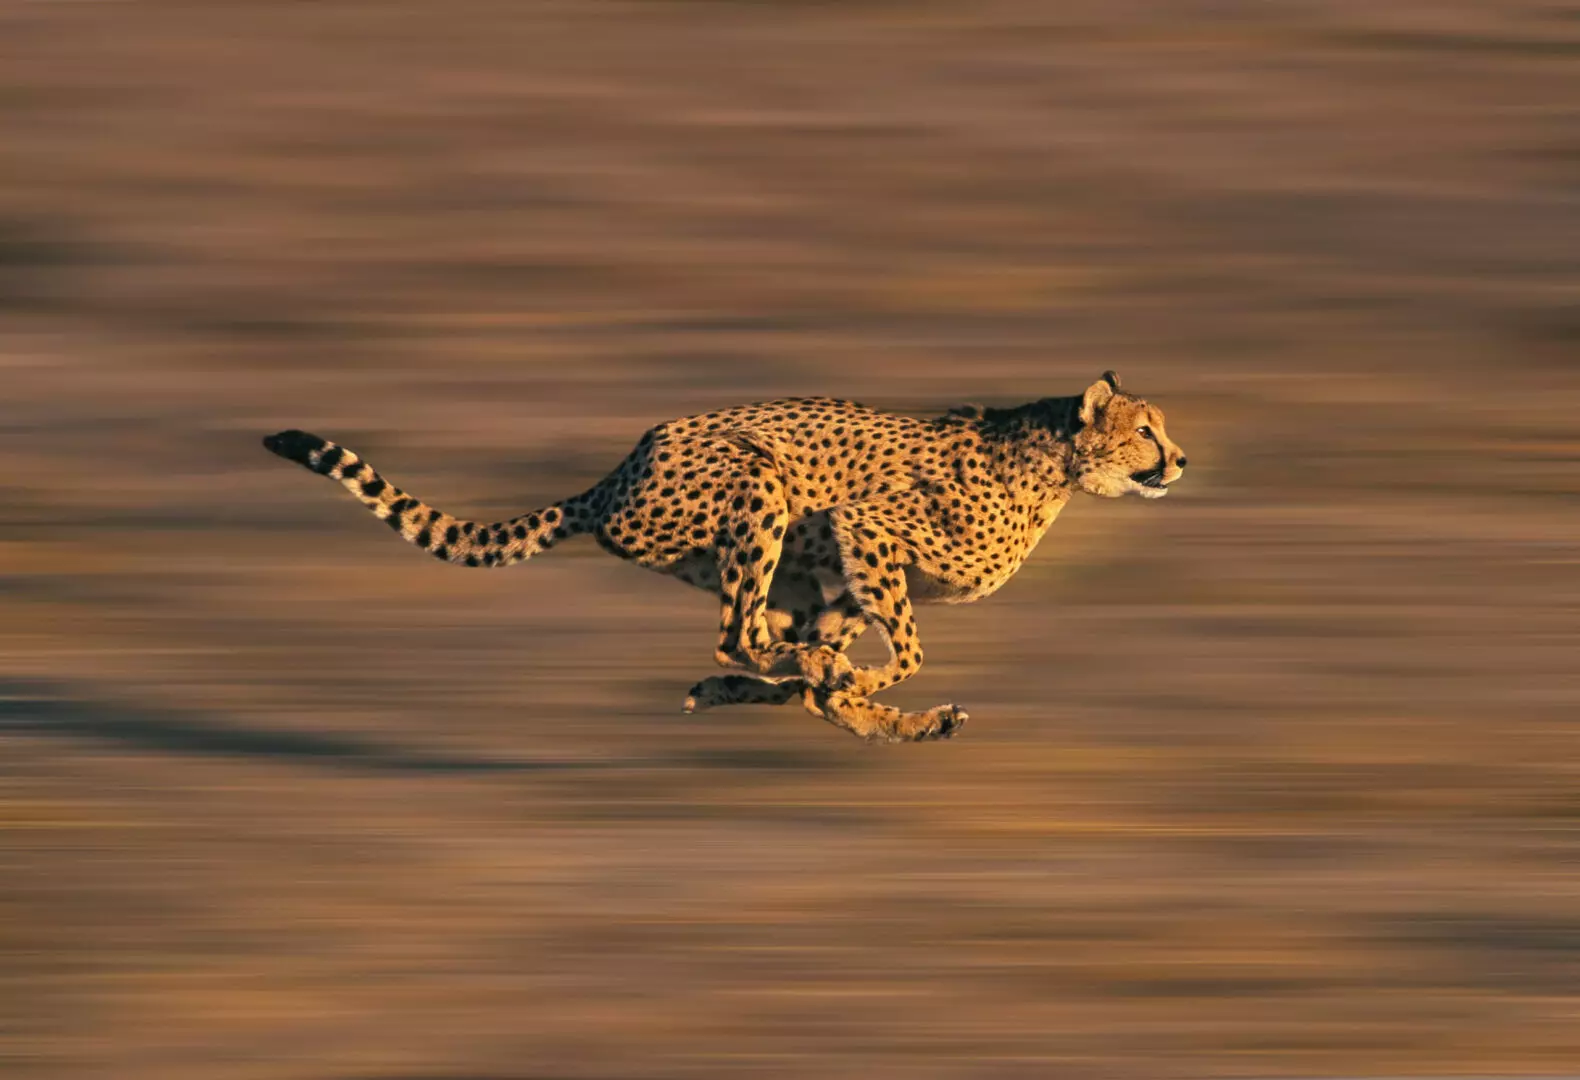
[(1111, 378), (1097, 396)]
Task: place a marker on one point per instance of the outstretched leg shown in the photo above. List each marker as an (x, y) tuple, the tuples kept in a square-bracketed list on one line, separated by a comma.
[(883, 723), (717, 690)]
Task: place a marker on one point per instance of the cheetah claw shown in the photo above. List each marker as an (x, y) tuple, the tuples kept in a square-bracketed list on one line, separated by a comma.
[(950, 719)]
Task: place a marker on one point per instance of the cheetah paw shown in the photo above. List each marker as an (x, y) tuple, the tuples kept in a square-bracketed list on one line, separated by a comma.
[(943, 722)]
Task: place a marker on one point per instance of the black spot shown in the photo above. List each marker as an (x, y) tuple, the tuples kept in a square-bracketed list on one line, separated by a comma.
[(532, 521), (442, 552), (452, 534), (521, 532), (373, 488), (424, 538), (472, 560), (330, 459)]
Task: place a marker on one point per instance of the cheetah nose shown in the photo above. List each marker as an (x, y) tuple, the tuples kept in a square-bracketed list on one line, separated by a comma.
[(1181, 462)]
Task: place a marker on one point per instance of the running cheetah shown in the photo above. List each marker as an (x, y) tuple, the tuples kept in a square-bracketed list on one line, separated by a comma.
[(812, 519)]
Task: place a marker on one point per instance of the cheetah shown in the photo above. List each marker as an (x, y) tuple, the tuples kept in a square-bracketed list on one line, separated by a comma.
[(813, 519)]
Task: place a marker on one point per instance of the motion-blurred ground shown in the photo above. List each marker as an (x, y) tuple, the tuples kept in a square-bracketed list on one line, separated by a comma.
[(1275, 777)]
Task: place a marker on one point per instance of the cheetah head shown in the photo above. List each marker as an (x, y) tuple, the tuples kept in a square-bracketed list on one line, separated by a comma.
[(1121, 447)]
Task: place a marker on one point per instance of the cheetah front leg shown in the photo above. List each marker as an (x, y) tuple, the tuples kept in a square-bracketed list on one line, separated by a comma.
[(873, 562), (883, 723)]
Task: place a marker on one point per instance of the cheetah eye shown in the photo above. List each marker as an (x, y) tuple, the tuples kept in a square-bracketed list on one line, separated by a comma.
[(1144, 431)]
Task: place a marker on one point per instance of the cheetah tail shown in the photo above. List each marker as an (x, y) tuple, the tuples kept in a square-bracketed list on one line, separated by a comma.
[(470, 543)]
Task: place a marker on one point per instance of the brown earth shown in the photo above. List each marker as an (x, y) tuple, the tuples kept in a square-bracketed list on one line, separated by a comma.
[(1277, 777)]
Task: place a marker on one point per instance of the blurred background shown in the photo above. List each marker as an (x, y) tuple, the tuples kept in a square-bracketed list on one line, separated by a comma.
[(1277, 777)]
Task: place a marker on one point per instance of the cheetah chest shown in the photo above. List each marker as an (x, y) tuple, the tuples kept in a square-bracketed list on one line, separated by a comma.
[(965, 568)]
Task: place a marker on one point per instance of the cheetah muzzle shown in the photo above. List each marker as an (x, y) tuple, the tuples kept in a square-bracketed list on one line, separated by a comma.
[(813, 519)]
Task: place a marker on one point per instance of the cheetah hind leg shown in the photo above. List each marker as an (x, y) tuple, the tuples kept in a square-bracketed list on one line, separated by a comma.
[(717, 690)]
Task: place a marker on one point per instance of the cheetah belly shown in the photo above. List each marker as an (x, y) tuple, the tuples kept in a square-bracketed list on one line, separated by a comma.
[(925, 587)]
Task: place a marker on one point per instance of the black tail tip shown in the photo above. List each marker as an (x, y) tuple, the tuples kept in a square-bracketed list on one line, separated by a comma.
[(294, 445)]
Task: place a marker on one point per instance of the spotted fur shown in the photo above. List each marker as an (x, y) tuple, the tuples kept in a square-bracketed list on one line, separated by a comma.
[(812, 519)]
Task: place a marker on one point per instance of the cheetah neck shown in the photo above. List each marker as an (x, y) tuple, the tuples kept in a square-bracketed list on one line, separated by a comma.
[(1058, 416), (1032, 447)]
